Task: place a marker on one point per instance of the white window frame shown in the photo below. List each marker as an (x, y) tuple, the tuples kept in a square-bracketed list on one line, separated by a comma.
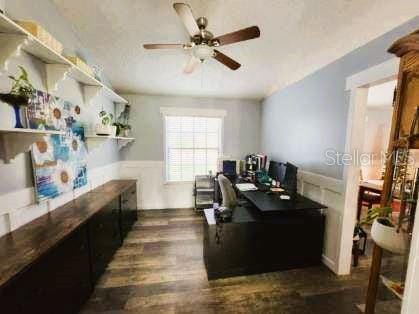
[(189, 112)]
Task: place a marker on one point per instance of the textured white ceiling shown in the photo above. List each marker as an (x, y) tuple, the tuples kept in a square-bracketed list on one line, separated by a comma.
[(297, 37)]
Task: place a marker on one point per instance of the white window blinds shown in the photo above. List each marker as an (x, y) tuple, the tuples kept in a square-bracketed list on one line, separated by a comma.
[(192, 146)]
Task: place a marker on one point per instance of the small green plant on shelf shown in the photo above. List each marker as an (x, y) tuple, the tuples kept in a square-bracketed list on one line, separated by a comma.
[(106, 118), (21, 92), (374, 213), (22, 86), (105, 126), (122, 129)]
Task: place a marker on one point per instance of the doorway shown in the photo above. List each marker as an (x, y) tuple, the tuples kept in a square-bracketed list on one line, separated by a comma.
[(377, 124), (361, 88)]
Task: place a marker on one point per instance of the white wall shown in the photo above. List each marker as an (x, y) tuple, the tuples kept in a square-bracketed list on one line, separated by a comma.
[(377, 133)]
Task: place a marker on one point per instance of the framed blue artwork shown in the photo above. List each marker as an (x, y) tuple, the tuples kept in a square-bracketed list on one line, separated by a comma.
[(59, 161)]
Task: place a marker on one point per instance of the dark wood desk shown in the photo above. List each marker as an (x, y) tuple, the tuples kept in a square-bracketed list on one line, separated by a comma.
[(272, 202), (257, 242)]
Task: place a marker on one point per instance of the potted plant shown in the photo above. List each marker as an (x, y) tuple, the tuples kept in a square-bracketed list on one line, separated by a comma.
[(105, 127), (22, 90), (384, 232), (122, 123), (122, 129), (386, 235)]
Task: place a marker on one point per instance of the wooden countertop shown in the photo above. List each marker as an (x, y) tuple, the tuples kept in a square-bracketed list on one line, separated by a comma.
[(20, 248)]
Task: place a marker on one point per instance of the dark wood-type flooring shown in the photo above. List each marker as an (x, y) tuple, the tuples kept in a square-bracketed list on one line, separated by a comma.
[(159, 269)]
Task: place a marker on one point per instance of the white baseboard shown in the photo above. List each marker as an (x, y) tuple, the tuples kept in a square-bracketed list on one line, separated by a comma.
[(329, 263), (155, 193)]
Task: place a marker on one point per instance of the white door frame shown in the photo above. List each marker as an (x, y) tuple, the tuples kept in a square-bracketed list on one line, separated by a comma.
[(357, 85)]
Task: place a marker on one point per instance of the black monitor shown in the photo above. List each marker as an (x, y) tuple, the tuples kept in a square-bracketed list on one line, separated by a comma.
[(290, 180), (276, 170), (229, 167)]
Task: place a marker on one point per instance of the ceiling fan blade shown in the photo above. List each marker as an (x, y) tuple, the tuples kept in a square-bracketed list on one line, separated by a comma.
[(241, 35), (163, 46), (227, 61), (185, 13), (191, 65)]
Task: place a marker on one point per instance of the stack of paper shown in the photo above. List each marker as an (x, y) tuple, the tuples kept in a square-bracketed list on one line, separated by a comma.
[(246, 187)]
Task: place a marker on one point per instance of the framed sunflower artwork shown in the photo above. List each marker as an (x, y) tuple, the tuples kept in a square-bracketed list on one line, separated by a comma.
[(59, 162)]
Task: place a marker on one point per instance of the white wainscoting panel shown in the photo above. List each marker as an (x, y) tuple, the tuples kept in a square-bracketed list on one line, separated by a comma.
[(328, 191), (19, 207), (153, 191)]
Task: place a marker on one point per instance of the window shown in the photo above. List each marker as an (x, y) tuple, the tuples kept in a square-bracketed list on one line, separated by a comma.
[(192, 146)]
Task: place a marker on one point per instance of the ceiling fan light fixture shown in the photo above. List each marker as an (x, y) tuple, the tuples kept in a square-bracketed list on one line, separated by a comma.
[(203, 52)]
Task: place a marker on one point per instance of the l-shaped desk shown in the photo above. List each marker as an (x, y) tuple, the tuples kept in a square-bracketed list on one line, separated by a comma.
[(269, 235)]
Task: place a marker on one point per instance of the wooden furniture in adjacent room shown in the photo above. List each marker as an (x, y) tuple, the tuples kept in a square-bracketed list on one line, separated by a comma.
[(51, 264), (403, 135), (368, 195)]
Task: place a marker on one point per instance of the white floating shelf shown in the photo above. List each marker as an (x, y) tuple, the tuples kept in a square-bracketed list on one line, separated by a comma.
[(16, 141), (95, 141), (23, 40)]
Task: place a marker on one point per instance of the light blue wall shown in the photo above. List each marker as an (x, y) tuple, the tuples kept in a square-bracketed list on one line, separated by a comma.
[(303, 120)]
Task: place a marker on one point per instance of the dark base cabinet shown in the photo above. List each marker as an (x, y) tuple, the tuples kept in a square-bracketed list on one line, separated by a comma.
[(105, 237), (61, 277), (128, 210)]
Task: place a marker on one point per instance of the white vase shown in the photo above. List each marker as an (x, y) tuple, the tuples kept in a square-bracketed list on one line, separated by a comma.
[(7, 116), (113, 130), (387, 237), (126, 133), (102, 129)]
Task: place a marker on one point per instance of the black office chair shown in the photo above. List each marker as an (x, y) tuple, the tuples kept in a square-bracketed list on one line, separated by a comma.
[(230, 199)]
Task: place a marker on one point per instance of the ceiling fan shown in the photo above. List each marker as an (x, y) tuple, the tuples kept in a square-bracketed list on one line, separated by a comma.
[(203, 43)]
